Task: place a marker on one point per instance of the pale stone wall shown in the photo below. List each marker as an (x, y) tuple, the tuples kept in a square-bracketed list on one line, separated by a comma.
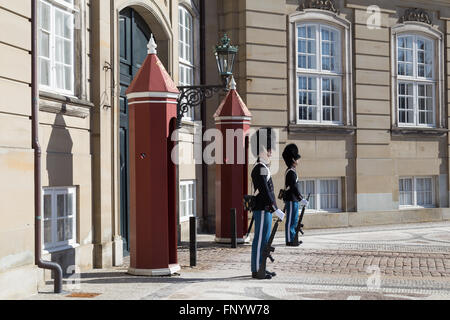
[(367, 153), (18, 275)]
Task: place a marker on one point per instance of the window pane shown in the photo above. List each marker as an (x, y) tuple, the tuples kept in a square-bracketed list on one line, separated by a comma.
[(59, 50), (68, 78), (47, 206), (61, 205), (44, 72), (68, 229), (330, 99), (59, 23), (328, 194), (44, 16), (59, 74), (60, 230), (329, 52), (424, 58), (48, 232), (308, 188), (424, 191), (406, 102), (306, 47), (185, 35), (44, 44), (307, 98), (68, 26), (425, 104), (70, 204), (68, 52), (405, 190), (183, 192), (191, 191), (191, 208), (182, 208)]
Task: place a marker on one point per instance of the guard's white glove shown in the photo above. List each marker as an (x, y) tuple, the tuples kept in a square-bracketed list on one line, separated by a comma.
[(304, 202), (279, 214)]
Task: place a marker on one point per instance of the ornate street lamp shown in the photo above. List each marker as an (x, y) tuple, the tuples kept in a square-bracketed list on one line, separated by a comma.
[(225, 56), (192, 96)]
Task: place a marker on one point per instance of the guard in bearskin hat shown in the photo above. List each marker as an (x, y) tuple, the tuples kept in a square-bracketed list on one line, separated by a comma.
[(292, 197), (263, 143)]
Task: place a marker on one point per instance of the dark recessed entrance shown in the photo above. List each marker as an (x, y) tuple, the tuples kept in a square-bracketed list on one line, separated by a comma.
[(134, 37)]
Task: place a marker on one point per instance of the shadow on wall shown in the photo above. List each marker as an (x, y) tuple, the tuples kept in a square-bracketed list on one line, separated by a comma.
[(59, 155)]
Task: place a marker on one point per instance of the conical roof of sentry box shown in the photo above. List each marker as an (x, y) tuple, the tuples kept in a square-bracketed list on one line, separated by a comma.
[(232, 106), (152, 77)]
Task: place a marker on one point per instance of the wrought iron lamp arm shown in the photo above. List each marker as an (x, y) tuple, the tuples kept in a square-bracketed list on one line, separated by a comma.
[(193, 96)]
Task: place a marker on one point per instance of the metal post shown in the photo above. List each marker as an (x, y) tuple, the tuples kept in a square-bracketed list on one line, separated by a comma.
[(193, 240), (233, 229)]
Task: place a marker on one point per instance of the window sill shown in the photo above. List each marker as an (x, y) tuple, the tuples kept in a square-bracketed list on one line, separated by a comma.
[(418, 131), (415, 207), (321, 129), (65, 98), (60, 104), (60, 248)]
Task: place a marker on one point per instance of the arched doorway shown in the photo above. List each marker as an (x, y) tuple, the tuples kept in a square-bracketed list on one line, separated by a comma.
[(134, 34)]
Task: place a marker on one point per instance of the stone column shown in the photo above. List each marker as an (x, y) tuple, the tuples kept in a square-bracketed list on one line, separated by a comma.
[(375, 179), (102, 135)]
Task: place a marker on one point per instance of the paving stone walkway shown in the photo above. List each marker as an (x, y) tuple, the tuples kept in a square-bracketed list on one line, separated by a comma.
[(385, 262)]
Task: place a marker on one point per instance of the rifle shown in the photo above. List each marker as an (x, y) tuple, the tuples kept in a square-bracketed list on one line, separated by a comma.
[(268, 249), (250, 227), (296, 242)]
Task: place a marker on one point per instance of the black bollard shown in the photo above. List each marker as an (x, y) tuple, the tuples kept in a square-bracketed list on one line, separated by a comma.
[(193, 240), (233, 229)]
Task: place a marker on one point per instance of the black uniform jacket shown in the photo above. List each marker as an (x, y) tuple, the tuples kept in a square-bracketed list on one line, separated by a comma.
[(291, 185), (265, 199)]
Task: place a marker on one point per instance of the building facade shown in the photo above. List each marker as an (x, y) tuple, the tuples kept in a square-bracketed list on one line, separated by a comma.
[(360, 86), (89, 51)]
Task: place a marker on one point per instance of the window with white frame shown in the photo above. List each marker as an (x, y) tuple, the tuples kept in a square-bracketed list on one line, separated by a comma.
[(416, 192), (319, 73), (56, 46), (416, 81), (325, 194), (59, 223), (186, 52), (187, 200)]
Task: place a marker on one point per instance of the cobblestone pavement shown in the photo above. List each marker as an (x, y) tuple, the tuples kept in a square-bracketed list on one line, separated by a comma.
[(417, 251), (386, 262)]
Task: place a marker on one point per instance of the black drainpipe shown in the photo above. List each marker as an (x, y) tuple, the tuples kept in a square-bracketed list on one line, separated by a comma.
[(56, 268), (203, 115)]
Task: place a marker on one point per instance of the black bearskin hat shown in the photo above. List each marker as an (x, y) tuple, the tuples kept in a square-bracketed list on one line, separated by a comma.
[(290, 154), (263, 139)]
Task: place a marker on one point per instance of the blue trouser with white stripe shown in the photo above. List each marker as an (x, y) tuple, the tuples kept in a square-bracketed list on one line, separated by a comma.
[(291, 219), (263, 228)]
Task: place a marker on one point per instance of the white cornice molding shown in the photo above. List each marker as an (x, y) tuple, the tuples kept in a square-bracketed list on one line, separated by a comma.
[(316, 14), (415, 26), (363, 7)]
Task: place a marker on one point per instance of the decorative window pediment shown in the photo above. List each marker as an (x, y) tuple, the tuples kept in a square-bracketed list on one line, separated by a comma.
[(415, 14), (318, 4)]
